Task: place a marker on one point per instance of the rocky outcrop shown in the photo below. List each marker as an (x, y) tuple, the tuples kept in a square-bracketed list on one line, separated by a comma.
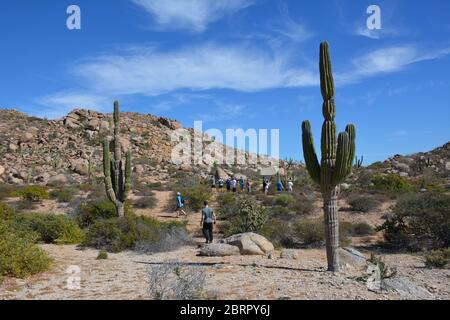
[(218, 250), (250, 243)]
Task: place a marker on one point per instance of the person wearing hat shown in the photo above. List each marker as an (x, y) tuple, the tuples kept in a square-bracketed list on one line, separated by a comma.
[(180, 205)]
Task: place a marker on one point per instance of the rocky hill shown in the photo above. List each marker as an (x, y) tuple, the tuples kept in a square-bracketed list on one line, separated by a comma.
[(34, 150)]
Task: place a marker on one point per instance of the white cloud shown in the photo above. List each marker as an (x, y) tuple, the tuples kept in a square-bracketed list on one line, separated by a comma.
[(193, 15), (387, 60), (57, 105), (150, 72), (290, 28)]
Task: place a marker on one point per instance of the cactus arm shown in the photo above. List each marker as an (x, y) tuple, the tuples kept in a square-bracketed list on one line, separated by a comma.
[(326, 75), (351, 131), (312, 163), (107, 172), (117, 149), (127, 174), (343, 152)]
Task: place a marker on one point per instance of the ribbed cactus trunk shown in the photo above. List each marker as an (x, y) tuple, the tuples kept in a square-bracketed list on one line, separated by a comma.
[(117, 178), (337, 158)]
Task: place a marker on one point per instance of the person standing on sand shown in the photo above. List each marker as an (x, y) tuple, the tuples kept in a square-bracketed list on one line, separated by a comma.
[(180, 205), (212, 182), (207, 223)]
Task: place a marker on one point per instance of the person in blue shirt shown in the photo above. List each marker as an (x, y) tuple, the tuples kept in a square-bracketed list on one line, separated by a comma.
[(242, 184), (280, 186), (180, 205), (228, 182)]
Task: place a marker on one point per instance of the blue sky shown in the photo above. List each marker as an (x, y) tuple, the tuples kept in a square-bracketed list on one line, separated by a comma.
[(237, 64)]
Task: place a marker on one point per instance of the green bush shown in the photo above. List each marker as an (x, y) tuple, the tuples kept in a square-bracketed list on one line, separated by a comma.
[(51, 228), (279, 232), (391, 183), (312, 232), (362, 203), (6, 212), (6, 190), (19, 256), (419, 221), (90, 212), (196, 195), (145, 203), (102, 255), (32, 193), (437, 258), (62, 195), (283, 200), (303, 206), (132, 232), (361, 229)]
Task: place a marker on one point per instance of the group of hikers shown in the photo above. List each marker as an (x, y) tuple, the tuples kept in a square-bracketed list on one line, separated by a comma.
[(231, 184)]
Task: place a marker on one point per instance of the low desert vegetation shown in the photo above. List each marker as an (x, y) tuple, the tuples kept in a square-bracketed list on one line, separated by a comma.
[(362, 204), (32, 193), (391, 183), (419, 221), (62, 195), (437, 258)]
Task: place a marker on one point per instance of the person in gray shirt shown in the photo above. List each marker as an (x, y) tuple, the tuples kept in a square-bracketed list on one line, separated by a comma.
[(207, 222)]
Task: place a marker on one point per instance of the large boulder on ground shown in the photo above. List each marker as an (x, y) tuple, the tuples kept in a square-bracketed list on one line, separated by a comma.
[(218, 250), (404, 287), (26, 137), (80, 167), (289, 254), (250, 243), (222, 174), (349, 257), (58, 180)]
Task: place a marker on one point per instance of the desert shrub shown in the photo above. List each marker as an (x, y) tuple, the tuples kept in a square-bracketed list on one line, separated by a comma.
[(391, 183), (303, 206), (23, 205), (19, 256), (56, 229), (143, 190), (62, 195), (92, 211), (196, 195), (6, 212), (129, 232), (32, 193), (283, 200), (419, 221), (6, 190), (144, 203), (158, 186), (279, 232), (311, 232), (361, 229), (385, 270), (102, 255), (437, 258), (362, 203), (174, 281)]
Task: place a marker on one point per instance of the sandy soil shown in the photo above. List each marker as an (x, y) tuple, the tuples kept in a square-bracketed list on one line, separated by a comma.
[(125, 275)]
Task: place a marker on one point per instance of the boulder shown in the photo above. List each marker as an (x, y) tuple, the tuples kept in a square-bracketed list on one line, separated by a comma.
[(2, 170), (13, 147), (26, 137), (93, 125), (139, 169), (289, 254), (80, 167), (104, 125), (71, 122), (349, 257), (43, 178), (218, 250), (222, 174), (250, 243), (58, 180), (404, 287)]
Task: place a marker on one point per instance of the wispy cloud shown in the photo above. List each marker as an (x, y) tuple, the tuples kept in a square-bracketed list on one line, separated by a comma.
[(386, 60), (192, 15), (289, 28), (150, 72)]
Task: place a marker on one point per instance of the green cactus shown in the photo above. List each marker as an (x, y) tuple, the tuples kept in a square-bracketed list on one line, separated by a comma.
[(359, 162), (252, 216), (337, 158), (117, 178)]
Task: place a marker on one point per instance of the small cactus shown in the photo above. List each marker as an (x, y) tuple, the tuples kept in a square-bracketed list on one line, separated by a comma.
[(117, 178), (252, 215), (359, 162), (337, 157)]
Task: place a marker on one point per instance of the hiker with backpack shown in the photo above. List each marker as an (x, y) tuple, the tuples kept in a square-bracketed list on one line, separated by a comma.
[(228, 183), (212, 182), (234, 185), (207, 223), (180, 205), (220, 183)]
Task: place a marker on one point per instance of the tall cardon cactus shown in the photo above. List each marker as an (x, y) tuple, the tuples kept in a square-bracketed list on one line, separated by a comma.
[(337, 158), (117, 173)]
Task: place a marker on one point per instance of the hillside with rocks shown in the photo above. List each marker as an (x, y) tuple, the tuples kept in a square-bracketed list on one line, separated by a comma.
[(50, 152)]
